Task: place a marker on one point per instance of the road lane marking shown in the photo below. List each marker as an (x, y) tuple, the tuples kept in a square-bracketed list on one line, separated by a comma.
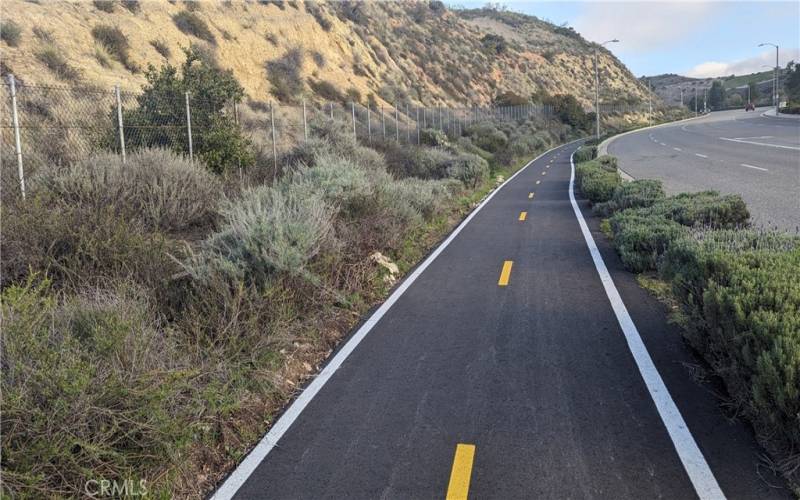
[(523, 215), (701, 156), (269, 441), (544, 173), (753, 166), (795, 148), (505, 274), (460, 475), (677, 149), (757, 137), (663, 144), (700, 474), (530, 196), (538, 182)]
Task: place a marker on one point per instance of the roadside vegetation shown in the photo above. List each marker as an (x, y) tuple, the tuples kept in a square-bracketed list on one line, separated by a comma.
[(158, 313), (737, 287)]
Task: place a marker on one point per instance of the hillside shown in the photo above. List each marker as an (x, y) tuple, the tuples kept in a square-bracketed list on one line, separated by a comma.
[(668, 86), (378, 52)]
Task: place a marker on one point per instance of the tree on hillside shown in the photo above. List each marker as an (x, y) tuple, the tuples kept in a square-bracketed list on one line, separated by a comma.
[(791, 82), (160, 118), (754, 94), (716, 95)]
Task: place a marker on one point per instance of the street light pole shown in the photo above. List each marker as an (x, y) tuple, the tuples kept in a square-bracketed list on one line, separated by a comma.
[(597, 89), (681, 96), (776, 94), (695, 101)]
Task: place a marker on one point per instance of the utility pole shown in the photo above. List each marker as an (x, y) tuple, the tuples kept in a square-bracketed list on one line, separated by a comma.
[(597, 88), (695, 101), (705, 101), (681, 96), (649, 102), (777, 77)]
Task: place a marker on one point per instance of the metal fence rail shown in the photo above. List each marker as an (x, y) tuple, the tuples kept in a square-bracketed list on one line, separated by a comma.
[(44, 125)]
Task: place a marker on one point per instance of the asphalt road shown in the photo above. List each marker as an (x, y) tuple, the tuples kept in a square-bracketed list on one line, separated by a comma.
[(534, 379), (730, 151)]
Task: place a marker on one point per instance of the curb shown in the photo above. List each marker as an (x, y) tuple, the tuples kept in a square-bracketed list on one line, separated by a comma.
[(770, 113)]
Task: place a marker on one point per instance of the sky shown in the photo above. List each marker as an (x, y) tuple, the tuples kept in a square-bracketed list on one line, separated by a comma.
[(691, 38)]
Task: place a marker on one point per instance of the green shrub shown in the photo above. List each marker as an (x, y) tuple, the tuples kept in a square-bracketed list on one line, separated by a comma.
[(413, 200), (267, 232), (84, 391), (487, 137), (216, 138), (116, 43), (133, 6), (433, 137), (585, 153), (190, 24), (635, 194), (595, 181), (104, 5), (51, 57), (705, 208), (80, 245), (640, 241), (284, 75), (162, 48), (326, 90), (743, 307), (156, 186), (608, 163), (10, 32), (469, 169)]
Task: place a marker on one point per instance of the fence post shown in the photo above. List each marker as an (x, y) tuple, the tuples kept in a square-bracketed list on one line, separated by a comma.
[(369, 123), (189, 129), (119, 123), (274, 146), (418, 124), (408, 129), (383, 122), (17, 142), (353, 109), (331, 111), (305, 122), (396, 124)]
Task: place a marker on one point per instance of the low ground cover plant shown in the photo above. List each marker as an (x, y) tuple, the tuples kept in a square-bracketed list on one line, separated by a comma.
[(738, 289)]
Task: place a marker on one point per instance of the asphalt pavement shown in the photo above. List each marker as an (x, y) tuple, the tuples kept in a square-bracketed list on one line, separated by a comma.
[(501, 368), (730, 151)]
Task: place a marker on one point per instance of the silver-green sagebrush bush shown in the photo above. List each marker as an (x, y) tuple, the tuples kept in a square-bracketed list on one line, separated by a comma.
[(266, 232), (157, 186)]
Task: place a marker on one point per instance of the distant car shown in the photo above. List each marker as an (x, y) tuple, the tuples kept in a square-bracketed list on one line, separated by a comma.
[(750, 107)]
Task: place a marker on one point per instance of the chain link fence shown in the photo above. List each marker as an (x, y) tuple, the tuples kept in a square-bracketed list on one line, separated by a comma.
[(53, 126)]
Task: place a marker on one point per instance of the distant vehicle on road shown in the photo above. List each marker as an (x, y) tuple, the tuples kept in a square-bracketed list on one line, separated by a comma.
[(749, 107)]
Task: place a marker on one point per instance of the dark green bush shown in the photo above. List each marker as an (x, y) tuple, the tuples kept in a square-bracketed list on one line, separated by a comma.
[(640, 241), (705, 208), (635, 194), (595, 181), (191, 24), (585, 153), (284, 75), (104, 5), (468, 168), (607, 162), (216, 138), (487, 136), (10, 32), (55, 61), (162, 48), (743, 307), (116, 43), (433, 137)]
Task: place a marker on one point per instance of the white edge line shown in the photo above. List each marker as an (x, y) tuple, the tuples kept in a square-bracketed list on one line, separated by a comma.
[(701, 156), (703, 480), (246, 468), (753, 166), (761, 144)]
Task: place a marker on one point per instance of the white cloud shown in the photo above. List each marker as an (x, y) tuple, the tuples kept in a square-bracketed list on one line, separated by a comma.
[(642, 26), (712, 69)]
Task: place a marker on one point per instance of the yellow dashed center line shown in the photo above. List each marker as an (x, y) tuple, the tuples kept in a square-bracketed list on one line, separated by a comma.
[(530, 196), (461, 473), (523, 215), (505, 274)]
